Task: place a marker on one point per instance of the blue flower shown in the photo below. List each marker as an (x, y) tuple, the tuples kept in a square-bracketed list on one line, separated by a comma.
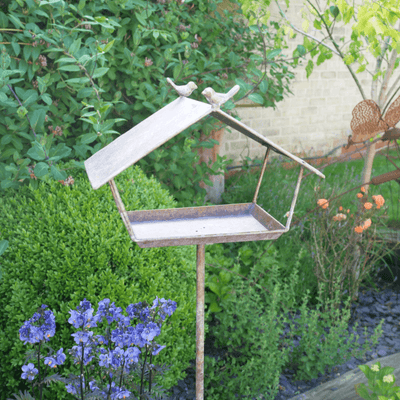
[(81, 337), (51, 362), (29, 371), (157, 350), (132, 354)]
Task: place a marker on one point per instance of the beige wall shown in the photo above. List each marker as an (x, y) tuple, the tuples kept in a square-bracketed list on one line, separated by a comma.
[(317, 117)]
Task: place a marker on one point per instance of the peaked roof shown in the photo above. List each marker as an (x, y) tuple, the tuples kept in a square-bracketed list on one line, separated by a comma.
[(157, 129)]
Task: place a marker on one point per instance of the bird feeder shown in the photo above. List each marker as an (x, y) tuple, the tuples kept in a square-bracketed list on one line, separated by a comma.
[(193, 225)]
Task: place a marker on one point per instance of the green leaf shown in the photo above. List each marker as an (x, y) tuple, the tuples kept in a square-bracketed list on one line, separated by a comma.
[(78, 80), (75, 46), (334, 10), (41, 169), (72, 68), (16, 22), (309, 68), (273, 53), (88, 138), (177, 71), (3, 96), (100, 72), (57, 174), (6, 139), (22, 111), (59, 152), (141, 20), (66, 59), (3, 20), (3, 246), (36, 152), (264, 86), (37, 119), (301, 49), (257, 98), (16, 47), (46, 98), (27, 52), (108, 46)]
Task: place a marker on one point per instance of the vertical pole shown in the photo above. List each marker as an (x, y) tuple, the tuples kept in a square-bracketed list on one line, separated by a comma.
[(296, 192), (200, 277), (261, 175)]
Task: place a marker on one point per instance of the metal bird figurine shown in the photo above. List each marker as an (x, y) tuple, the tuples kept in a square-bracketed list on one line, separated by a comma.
[(184, 90), (217, 99)]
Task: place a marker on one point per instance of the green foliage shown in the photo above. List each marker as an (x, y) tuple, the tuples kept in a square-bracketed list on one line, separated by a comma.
[(373, 21), (75, 76), (256, 354), (68, 243)]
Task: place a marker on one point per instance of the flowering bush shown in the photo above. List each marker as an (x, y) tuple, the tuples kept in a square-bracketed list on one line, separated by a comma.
[(124, 362), (341, 240), (380, 383)]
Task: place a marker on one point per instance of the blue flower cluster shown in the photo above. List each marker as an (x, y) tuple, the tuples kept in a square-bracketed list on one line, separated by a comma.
[(124, 336)]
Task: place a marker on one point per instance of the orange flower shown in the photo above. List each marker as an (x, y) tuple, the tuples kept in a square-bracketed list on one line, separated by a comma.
[(323, 203), (358, 229), (339, 217), (379, 200), (378, 207), (362, 189), (368, 205), (359, 195), (348, 211), (340, 208), (367, 224), (351, 216)]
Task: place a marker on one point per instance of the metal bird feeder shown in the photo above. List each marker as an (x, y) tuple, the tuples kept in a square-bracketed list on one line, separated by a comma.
[(194, 225)]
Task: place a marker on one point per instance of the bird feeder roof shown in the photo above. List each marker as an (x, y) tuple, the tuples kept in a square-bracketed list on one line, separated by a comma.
[(156, 130)]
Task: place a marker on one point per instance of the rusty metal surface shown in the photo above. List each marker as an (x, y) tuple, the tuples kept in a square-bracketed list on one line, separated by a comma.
[(367, 120), (157, 129), (143, 138), (203, 225), (388, 176), (121, 208), (296, 192), (261, 176), (200, 279)]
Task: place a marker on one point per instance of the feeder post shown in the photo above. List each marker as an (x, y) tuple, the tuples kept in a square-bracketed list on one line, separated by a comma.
[(296, 192), (200, 278), (261, 175)]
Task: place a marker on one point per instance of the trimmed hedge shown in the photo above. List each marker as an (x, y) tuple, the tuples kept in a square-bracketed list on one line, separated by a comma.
[(67, 243)]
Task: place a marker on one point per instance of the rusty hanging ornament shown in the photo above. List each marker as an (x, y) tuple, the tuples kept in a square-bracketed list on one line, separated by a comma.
[(367, 121)]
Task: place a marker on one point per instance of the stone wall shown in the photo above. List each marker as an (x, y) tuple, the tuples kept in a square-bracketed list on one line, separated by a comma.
[(314, 120)]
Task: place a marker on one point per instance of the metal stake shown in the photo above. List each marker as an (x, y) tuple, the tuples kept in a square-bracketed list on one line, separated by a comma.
[(200, 277)]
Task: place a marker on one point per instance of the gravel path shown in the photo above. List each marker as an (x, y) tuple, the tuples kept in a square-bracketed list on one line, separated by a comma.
[(368, 311)]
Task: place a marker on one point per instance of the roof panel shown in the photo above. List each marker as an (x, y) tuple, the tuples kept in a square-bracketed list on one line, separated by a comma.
[(157, 129), (251, 133), (142, 139)]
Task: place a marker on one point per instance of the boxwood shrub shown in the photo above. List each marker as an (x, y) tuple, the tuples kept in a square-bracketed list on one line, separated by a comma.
[(67, 243)]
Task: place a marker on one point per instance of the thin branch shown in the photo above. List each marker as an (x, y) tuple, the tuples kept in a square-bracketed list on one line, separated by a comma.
[(388, 75), (377, 69), (306, 34), (340, 53)]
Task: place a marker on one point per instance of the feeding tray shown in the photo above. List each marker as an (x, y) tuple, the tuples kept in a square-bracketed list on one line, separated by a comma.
[(203, 225), (193, 225)]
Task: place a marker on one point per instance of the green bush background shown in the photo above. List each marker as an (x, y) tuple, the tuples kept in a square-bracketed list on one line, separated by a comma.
[(68, 243)]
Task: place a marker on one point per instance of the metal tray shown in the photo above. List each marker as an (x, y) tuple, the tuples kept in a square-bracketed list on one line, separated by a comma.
[(203, 225)]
